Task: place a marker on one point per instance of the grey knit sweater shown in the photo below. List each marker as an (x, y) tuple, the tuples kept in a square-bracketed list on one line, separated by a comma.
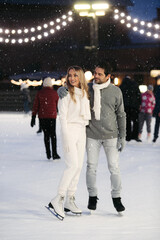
[(112, 123)]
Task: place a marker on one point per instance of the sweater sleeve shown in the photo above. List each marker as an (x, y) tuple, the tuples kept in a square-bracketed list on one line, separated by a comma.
[(63, 110), (121, 116)]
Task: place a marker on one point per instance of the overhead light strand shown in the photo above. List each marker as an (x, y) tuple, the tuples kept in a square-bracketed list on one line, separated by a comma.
[(26, 35), (145, 28)]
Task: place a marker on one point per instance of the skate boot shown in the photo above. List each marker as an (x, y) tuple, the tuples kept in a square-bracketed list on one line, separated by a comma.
[(39, 131), (70, 205), (57, 205), (148, 137), (154, 139), (92, 203), (118, 205), (55, 156), (48, 152), (48, 155)]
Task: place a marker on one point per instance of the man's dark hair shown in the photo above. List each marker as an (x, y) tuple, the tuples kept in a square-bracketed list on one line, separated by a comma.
[(106, 66)]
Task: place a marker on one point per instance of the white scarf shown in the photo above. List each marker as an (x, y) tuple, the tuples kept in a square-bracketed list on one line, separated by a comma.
[(97, 97), (84, 104)]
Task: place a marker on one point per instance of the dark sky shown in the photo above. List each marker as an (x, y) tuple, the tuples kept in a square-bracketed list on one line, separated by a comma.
[(144, 9)]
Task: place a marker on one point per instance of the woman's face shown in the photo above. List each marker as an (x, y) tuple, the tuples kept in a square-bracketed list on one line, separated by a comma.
[(73, 78)]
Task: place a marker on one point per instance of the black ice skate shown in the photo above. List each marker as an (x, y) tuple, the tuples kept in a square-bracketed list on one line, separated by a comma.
[(154, 139), (56, 156), (92, 203), (118, 205), (48, 153)]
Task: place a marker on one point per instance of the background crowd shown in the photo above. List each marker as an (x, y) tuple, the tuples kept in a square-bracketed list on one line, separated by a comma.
[(139, 108)]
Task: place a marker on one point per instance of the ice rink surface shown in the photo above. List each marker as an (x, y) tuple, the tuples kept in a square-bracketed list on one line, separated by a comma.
[(28, 181)]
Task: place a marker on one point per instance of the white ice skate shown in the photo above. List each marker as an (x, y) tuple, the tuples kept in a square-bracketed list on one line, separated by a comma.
[(70, 206), (57, 205)]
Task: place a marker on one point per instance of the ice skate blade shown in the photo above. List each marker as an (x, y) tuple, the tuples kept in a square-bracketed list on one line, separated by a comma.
[(120, 214), (91, 211), (56, 159), (54, 213), (69, 211)]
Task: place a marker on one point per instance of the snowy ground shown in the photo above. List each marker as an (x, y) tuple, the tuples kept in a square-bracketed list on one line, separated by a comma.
[(28, 182)]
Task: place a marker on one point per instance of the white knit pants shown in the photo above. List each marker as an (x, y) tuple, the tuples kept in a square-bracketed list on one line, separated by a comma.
[(73, 159)]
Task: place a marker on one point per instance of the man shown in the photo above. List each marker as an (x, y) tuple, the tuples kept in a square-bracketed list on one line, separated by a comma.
[(45, 105), (107, 128), (132, 101), (156, 111)]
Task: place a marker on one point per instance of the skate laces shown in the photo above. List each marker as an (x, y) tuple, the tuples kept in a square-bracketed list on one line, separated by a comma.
[(61, 202), (61, 199), (72, 200)]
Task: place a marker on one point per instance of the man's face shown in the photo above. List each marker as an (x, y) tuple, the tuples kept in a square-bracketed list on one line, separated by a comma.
[(99, 76)]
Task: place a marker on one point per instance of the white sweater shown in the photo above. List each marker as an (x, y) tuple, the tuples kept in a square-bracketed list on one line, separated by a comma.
[(71, 112)]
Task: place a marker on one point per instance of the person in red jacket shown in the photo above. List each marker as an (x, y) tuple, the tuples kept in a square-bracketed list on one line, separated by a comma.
[(146, 110), (45, 105)]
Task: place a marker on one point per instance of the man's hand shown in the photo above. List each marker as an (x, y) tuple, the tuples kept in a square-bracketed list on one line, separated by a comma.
[(121, 142), (33, 121), (62, 92)]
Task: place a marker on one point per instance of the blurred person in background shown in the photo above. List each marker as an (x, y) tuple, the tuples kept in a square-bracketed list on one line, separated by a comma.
[(156, 111), (132, 102), (146, 110), (40, 127), (39, 122), (24, 87), (45, 105)]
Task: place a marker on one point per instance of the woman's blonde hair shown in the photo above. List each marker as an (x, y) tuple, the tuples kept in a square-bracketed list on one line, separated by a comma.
[(83, 82)]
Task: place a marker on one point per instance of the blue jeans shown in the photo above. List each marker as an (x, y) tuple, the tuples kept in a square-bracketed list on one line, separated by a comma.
[(26, 106), (112, 154)]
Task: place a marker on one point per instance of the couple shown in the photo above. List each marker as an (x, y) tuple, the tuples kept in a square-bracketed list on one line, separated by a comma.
[(106, 125)]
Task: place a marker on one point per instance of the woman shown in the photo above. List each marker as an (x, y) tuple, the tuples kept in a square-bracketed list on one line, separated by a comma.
[(74, 114)]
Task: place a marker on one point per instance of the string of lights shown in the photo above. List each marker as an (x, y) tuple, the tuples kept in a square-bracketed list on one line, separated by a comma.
[(32, 34), (35, 83), (147, 28)]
